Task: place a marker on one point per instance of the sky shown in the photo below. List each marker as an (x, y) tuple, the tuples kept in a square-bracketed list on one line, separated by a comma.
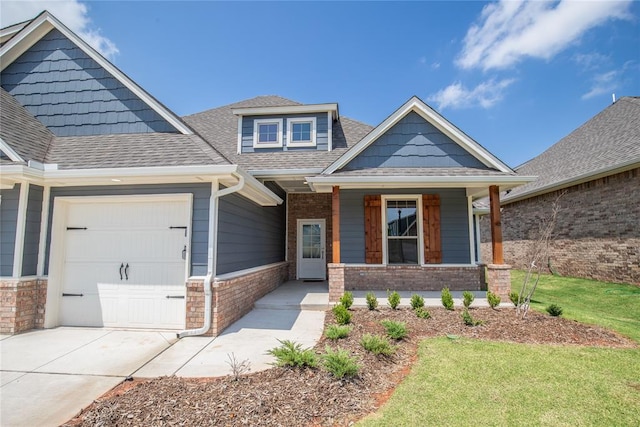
[(515, 76)]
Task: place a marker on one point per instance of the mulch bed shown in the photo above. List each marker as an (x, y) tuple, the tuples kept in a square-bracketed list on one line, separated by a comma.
[(312, 397)]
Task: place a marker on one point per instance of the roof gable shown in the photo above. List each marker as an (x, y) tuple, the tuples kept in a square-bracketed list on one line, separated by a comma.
[(79, 75), (417, 106)]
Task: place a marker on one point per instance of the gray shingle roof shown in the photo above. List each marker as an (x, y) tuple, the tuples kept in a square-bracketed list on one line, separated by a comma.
[(608, 140), (28, 137), (422, 172), (219, 127)]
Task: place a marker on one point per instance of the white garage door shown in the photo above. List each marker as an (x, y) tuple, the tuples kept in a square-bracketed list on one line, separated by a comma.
[(124, 264)]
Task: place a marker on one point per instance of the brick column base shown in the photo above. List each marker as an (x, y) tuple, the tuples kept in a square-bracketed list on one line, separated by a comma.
[(336, 281), (499, 280), (22, 304)]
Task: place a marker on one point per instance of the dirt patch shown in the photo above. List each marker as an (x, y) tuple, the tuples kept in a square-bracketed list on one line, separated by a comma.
[(312, 397)]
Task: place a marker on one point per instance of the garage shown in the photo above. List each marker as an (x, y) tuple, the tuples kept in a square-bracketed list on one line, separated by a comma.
[(122, 261)]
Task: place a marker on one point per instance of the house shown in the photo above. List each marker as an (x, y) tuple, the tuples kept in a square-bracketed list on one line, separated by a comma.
[(594, 173), (116, 212)]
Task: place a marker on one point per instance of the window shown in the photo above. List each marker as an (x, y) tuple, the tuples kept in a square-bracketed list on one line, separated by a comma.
[(301, 132), (267, 133), (402, 231)]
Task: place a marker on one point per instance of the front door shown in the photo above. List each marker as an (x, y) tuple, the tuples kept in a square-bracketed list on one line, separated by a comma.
[(311, 249)]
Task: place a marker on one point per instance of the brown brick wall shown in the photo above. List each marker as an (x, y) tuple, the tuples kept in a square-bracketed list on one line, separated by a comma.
[(22, 304), (597, 234), (336, 281), (306, 206), (232, 298), (413, 278)]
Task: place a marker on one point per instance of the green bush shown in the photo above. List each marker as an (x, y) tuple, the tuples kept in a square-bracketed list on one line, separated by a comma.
[(372, 300), (347, 299), (340, 363), (468, 320), (422, 313), (493, 299), (514, 297), (395, 330), (292, 354), (377, 345), (417, 301), (447, 299), (555, 310), (336, 332), (394, 299), (467, 298), (342, 315)]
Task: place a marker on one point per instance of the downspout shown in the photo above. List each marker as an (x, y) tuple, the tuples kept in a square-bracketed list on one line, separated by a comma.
[(212, 254)]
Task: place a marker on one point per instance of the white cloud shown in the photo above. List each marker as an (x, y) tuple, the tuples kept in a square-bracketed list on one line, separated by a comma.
[(607, 82), (591, 61), (485, 95), (71, 13), (509, 31)]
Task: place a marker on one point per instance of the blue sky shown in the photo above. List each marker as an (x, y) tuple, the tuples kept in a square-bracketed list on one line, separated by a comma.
[(515, 76)]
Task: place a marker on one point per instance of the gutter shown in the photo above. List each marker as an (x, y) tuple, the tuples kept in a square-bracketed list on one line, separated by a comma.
[(212, 257)]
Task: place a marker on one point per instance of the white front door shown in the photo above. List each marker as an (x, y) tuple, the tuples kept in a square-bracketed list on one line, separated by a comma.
[(311, 249), (125, 264)]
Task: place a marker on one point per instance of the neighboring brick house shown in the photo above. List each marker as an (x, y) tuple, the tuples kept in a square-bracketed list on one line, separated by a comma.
[(596, 169), (116, 212)]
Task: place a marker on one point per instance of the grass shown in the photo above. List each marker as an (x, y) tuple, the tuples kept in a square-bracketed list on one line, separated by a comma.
[(471, 382), (611, 305)]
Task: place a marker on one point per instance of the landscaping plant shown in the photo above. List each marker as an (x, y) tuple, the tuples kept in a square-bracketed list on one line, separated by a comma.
[(377, 345), (395, 330), (343, 317), (422, 313), (417, 301), (493, 299), (292, 354), (467, 298), (468, 320), (347, 299), (447, 299), (515, 298), (394, 299), (238, 367), (554, 310), (340, 363), (336, 332), (372, 300)]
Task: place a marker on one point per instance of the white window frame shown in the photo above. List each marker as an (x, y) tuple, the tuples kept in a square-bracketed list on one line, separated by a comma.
[(291, 122), (385, 243), (256, 133)]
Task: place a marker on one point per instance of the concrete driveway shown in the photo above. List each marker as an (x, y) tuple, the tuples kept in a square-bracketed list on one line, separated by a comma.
[(48, 376)]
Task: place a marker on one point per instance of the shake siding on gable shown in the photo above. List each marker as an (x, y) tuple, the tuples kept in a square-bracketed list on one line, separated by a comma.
[(32, 231), (454, 226), (414, 142), (8, 223), (73, 95), (322, 132)]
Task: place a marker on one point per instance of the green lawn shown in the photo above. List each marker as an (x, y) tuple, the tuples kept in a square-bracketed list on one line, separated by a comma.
[(470, 382), (612, 305)]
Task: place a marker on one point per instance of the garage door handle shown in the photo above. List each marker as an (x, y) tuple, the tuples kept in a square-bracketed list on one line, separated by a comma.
[(72, 295), (175, 296), (121, 267), (126, 272)]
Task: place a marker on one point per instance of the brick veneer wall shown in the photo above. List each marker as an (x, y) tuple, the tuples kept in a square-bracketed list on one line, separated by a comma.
[(232, 298), (306, 206), (22, 304), (413, 277), (597, 234)]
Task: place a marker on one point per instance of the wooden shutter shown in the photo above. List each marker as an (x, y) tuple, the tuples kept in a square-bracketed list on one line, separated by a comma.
[(373, 229), (431, 228)]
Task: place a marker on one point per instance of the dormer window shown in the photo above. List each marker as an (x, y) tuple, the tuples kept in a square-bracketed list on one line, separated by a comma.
[(267, 133), (301, 132)]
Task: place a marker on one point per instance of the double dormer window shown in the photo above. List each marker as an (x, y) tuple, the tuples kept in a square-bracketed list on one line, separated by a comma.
[(268, 133)]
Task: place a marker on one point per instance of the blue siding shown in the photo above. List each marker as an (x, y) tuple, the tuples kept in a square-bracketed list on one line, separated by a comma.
[(250, 235), (32, 231), (322, 133), (72, 95), (454, 223), (199, 222), (414, 142), (8, 223)]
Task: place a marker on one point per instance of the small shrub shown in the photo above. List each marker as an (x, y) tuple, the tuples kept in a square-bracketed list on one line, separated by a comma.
[(347, 299), (514, 297), (372, 301), (395, 330), (468, 320), (555, 310), (377, 345), (493, 299), (238, 367), (447, 299), (394, 299), (417, 301), (422, 313), (343, 317), (336, 332), (340, 363), (292, 354), (467, 298)]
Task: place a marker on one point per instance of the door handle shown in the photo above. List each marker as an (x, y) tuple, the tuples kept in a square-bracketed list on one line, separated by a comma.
[(126, 271), (121, 267), (184, 252)]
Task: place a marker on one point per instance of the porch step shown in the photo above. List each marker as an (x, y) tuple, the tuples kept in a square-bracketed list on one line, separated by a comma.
[(297, 295)]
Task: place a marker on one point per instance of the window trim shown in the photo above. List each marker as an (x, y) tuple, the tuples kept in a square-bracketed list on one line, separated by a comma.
[(256, 134), (420, 237), (291, 122)]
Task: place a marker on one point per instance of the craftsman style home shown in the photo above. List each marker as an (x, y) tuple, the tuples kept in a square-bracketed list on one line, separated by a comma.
[(116, 212)]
